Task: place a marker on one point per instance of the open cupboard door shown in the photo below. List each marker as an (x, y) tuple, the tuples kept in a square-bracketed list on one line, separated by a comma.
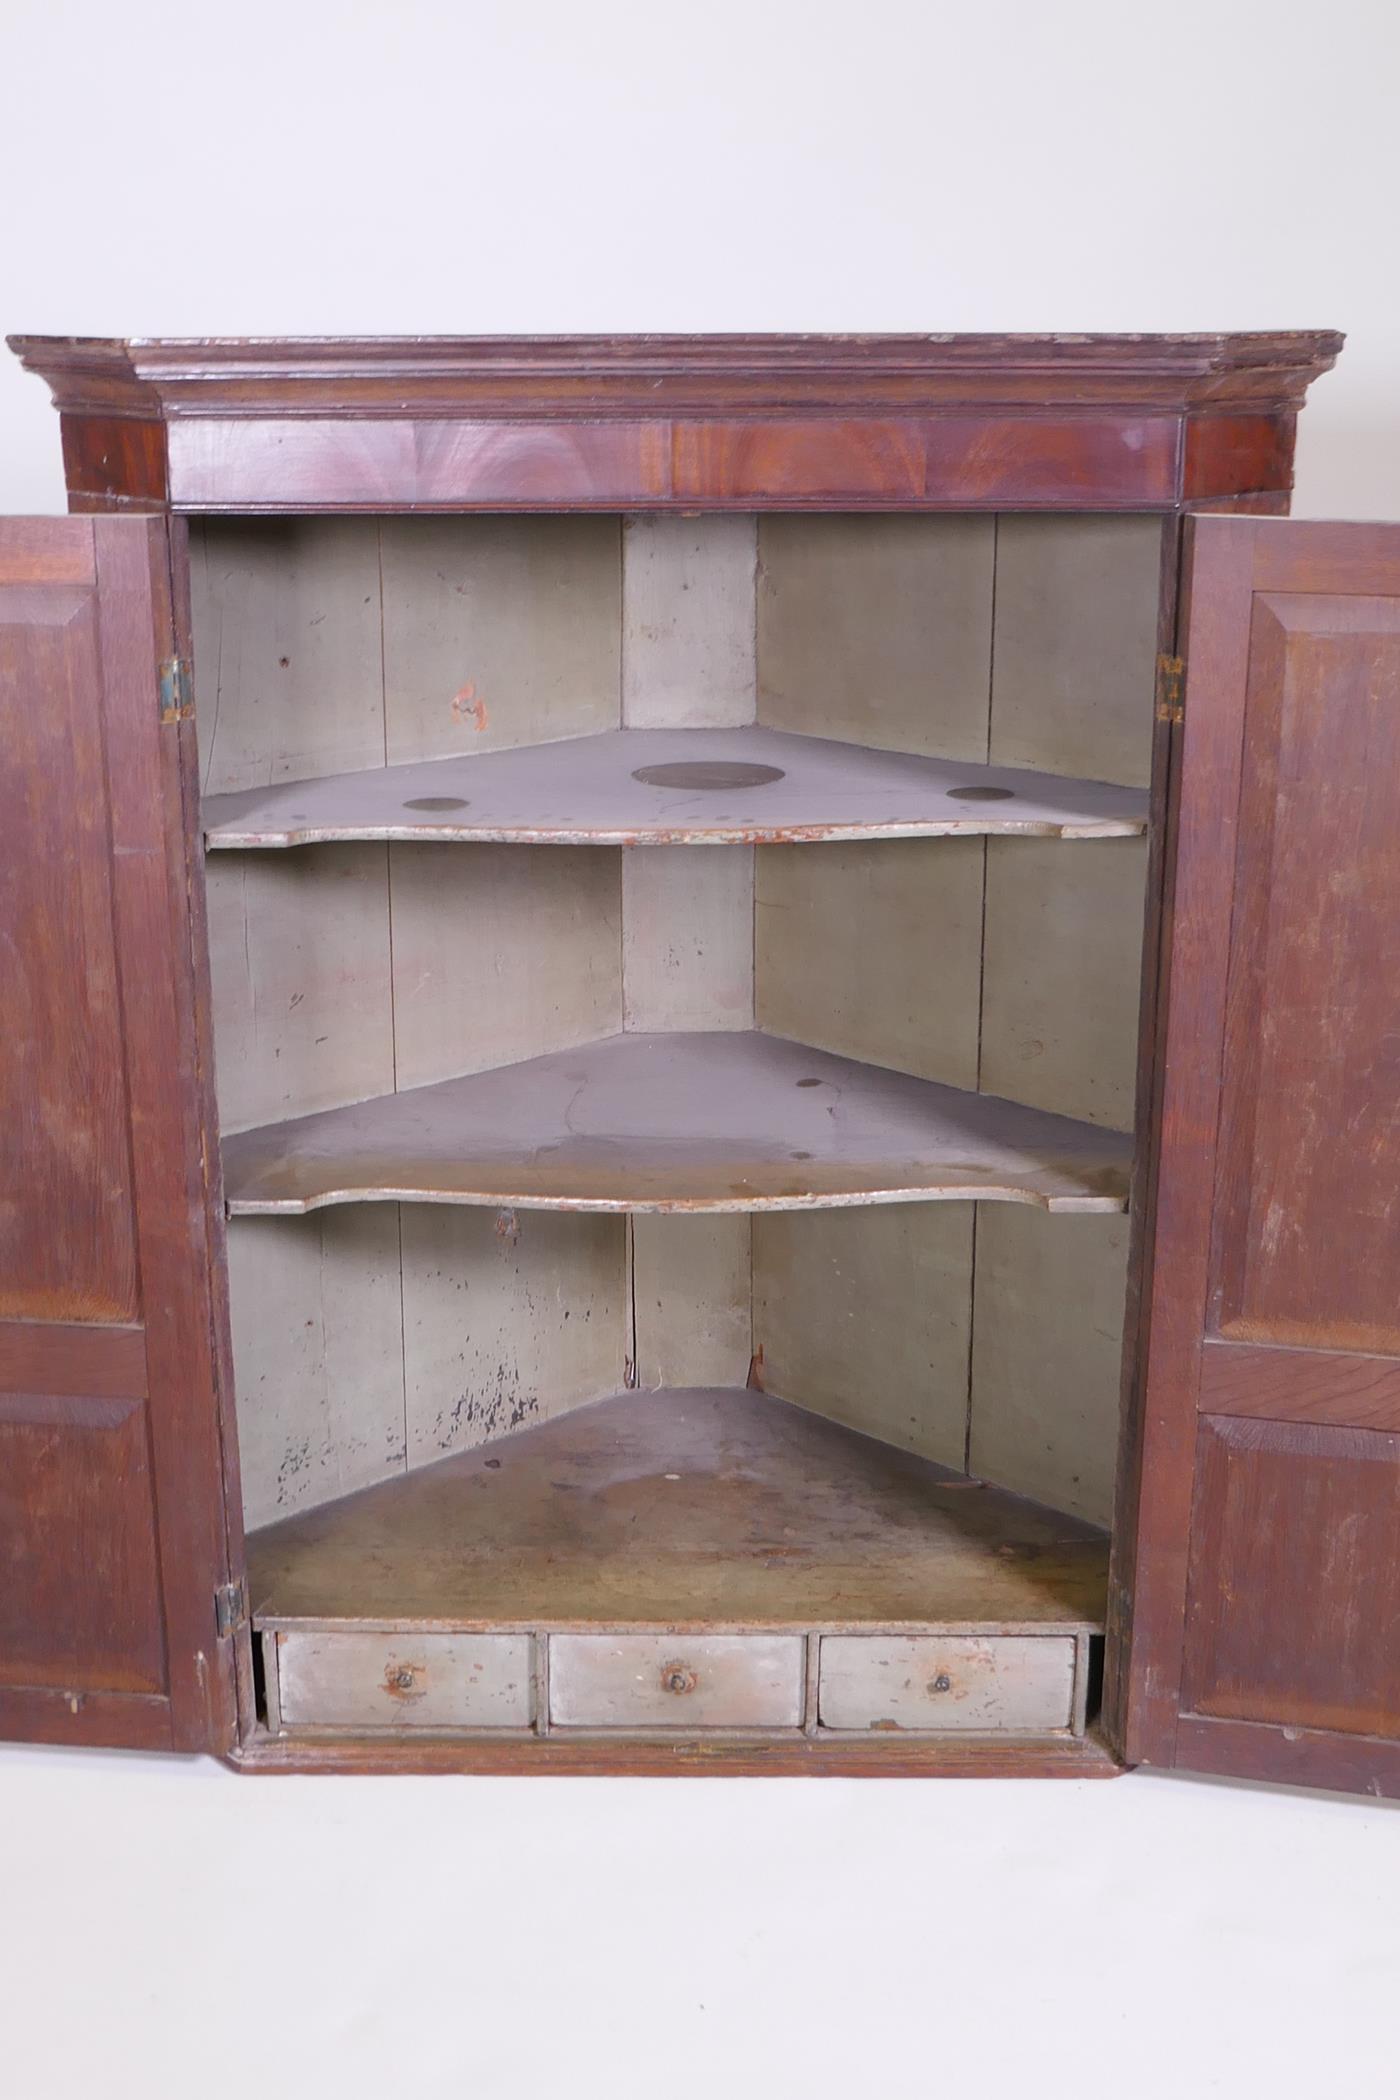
[(113, 1555), (1258, 1593)]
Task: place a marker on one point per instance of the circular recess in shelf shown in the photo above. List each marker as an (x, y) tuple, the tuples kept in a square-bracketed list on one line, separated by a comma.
[(981, 794), (435, 802), (707, 773)]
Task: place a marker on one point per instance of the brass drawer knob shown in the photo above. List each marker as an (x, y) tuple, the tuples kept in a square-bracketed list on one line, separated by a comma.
[(677, 1677)]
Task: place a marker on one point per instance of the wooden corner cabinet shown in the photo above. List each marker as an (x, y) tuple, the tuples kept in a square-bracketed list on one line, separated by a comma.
[(701, 1055)]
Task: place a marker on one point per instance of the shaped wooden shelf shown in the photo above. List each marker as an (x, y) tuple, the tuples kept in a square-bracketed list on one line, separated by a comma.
[(683, 1508), (631, 787), (710, 1121)]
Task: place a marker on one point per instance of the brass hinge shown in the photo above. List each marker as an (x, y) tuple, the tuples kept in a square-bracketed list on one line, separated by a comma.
[(230, 1607), (1171, 690), (176, 691)]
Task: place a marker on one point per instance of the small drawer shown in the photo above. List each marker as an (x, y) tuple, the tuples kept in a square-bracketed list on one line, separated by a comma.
[(643, 1680), (936, 1683), (409, 1680)]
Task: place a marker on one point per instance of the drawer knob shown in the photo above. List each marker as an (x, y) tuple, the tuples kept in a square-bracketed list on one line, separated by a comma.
[(401, 1681), (941, 1683), (677, 1677)]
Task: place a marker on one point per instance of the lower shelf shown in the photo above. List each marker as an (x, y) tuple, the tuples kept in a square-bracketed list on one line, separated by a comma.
[(684, 1509), (680, 1563)]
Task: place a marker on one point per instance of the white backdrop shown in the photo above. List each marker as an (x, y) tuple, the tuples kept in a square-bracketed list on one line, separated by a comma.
[(169, 1931)]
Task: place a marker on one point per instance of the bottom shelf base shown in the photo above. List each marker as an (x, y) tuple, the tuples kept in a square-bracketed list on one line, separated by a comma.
[(687, 1510), (678, 1576), (788, 1757)]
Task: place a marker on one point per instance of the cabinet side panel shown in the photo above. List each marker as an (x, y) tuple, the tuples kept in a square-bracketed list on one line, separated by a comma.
[(877, 630), (688, 613), (318, 1355), (1076, 636), (692, 1300), (1076, 645), (499, 631), (288, 649), (872, 950), (865, 1316), (509, 1317), (1046, 1350), (501, 953), (687, 912)]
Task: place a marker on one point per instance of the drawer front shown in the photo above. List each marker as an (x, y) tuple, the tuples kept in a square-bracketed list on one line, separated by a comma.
[(937, 1683), (642, 1680), (410, 1680)]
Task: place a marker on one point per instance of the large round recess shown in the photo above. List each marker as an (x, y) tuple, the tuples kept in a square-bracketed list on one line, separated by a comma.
[(707, 773)]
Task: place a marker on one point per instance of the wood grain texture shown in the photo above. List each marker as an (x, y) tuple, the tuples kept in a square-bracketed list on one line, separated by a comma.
[(1265, 1549), (67, 1227), (774, 1520), (112, 1499), (620, 374), (586, 790), (1289, 1385), (1304, 1516), (80, 1607), (789, 1755), (1226, 454), (54, 1356), (707, 1121), (1308, 1194), (1312, 1757), (953, 422)]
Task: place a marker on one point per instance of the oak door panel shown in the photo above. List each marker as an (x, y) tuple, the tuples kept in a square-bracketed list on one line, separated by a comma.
[(112, 1535), (1259, 1529)]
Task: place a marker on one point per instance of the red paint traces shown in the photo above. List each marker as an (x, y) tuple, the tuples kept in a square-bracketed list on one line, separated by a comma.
[(466, 706)]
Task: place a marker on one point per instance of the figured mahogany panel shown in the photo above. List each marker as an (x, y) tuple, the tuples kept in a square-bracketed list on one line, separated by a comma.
[(114, 460), (1307, 1217), (314, 463), (1295, 1577), (1233, 455), (67, 1245)]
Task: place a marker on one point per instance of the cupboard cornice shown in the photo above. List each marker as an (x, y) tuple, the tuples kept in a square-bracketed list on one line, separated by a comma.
[(1096, 422)]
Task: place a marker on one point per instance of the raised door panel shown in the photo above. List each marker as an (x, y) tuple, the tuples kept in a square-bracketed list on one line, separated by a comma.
[(112, 1541), (1260, 1528)]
